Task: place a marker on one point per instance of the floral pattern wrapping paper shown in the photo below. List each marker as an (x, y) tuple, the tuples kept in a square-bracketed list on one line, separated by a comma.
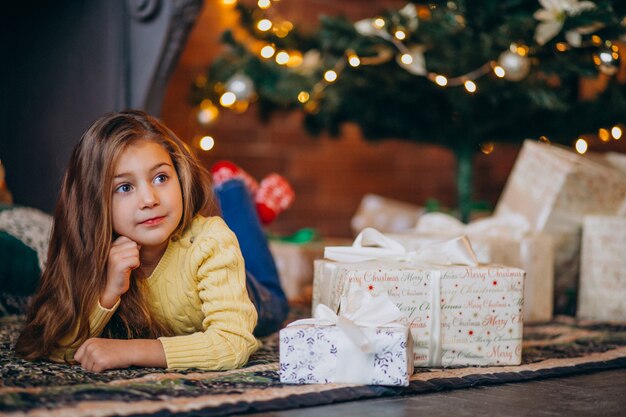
[(479, 309), (603, 269), (309, 354)]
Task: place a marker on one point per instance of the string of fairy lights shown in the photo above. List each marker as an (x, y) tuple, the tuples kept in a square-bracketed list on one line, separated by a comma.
[(513, 64)]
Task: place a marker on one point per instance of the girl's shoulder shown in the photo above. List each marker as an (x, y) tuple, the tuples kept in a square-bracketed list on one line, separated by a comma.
[(205, 227)]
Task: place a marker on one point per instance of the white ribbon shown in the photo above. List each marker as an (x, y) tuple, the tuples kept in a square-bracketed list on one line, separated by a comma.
[(435, 352), (370, 244), (510, 225), (355, 350)]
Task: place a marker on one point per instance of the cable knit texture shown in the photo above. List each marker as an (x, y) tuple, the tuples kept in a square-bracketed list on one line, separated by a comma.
[(199, 289)]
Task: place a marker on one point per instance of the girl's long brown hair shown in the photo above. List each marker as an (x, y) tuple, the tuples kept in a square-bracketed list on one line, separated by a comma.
[(75, 275)]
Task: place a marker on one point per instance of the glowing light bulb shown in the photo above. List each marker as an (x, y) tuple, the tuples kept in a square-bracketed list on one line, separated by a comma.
[(522, 50), (330, 76), (303, 97), (470, 86), (441, 80), (264, 25), (282, 58), (379, 22), (604, 135), (268, 51), (581, 146), (499, 71), (487, 148), (616, 132), (354, 60), (264, 4), (207, 143), (400, 35), (208, 113), (295, 59), (228, 99), (406, 59)]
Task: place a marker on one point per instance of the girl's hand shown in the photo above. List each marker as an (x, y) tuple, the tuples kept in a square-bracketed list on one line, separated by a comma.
[(97, 355), (123, 258)]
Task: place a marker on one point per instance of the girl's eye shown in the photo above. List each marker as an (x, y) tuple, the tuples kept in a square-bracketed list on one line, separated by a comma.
[(160, 178), (124, 188)]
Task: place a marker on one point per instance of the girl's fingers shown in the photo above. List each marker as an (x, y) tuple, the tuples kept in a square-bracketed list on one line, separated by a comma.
[(78, 356), (80, 352), (121, 240), (130, 262), (130, 245)]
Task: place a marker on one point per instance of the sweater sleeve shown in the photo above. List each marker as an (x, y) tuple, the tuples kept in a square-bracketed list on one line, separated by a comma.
[(98, 319), (229, 315)]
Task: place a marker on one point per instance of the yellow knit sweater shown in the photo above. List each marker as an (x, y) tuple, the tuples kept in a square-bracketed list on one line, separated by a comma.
[(198, 289)]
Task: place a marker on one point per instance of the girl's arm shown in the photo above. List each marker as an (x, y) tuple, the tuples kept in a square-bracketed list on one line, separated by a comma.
[(98, 319), (97, 355), (123, 258), (229, 316)]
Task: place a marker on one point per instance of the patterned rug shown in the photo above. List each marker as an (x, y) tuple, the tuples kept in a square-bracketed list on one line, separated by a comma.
[(563, 347)]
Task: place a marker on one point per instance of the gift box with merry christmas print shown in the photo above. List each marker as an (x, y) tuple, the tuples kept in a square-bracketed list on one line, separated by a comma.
[(460, 313), (504, 240)]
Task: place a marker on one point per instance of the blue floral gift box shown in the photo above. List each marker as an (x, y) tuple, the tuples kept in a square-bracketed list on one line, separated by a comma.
[(366, 346)]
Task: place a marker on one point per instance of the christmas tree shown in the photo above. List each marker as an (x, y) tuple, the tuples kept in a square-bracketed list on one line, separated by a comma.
[(461, 74)]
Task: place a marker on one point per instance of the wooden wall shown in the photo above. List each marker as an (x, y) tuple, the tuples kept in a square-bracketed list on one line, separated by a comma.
[(330, 175)]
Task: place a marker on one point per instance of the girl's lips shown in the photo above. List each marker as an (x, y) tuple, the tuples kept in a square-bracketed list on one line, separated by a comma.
[(153, 221)]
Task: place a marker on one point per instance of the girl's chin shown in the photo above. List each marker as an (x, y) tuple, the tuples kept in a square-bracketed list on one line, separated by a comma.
[(151, 242)]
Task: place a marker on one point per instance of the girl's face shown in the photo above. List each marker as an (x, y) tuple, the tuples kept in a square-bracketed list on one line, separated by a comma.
[(147, 202)]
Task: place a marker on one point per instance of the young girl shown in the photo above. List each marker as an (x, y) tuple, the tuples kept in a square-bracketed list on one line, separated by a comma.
[(133, 259)]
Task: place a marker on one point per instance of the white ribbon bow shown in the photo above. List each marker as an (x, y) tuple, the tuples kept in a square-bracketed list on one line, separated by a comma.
[(364, 311), (511, 225), (371, 244)]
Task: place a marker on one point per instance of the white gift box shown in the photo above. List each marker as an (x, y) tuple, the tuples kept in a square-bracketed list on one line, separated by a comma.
[(504, 240), (460, 313), (385, 214), (602, 293), (362, 346), (554, 188)]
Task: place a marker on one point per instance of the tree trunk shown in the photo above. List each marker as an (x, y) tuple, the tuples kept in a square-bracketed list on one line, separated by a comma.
[(464, 181)]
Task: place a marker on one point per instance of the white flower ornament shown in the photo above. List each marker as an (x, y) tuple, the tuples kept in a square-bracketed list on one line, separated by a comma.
[(552, 16)]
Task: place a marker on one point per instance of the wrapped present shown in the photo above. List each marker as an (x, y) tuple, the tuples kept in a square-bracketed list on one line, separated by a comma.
[(553, 188), (294, 262), (364, 344), (460, 313), (385, 214), (603, 269), (504, 240)]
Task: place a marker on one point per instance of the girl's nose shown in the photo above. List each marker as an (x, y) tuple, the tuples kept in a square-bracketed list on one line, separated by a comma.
[(149, 198)]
